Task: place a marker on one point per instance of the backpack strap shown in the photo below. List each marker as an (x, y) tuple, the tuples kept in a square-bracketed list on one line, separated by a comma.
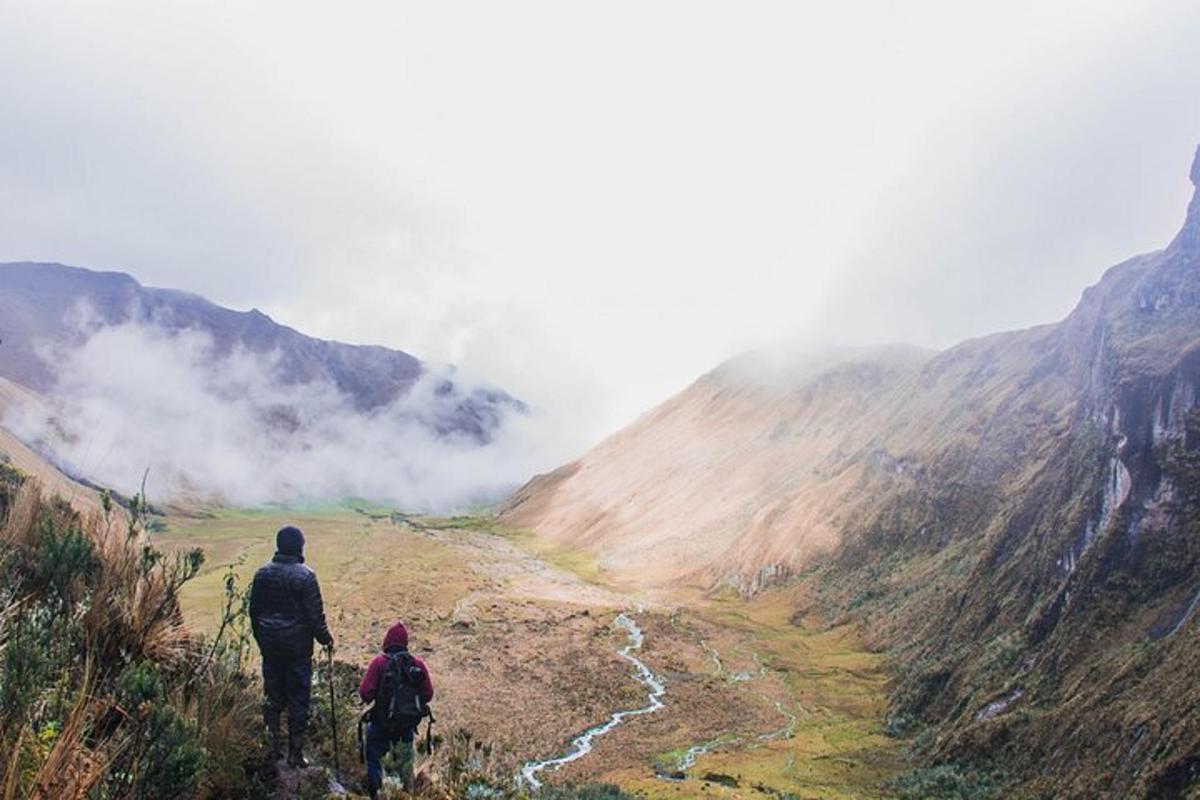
[(375, 708)]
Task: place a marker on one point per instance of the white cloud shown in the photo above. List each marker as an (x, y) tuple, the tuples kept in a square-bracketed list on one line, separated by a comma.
[(135, 397)]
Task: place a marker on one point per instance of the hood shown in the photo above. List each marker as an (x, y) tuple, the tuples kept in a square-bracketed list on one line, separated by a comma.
[(397, 636), (290, 541)]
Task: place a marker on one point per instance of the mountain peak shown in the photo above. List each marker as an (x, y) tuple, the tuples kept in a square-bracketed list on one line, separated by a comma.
[(1189, 237)]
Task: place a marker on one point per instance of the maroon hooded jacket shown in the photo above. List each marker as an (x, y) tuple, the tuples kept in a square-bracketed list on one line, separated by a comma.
[(395, 640)]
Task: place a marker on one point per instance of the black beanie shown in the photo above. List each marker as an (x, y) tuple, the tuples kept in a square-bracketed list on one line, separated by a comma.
[(290, 541)]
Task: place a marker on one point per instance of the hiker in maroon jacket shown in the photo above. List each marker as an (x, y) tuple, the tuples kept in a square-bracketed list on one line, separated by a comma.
[(398, 683)]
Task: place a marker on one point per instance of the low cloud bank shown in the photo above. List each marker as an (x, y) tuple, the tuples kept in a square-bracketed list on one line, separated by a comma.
[(207, 426)]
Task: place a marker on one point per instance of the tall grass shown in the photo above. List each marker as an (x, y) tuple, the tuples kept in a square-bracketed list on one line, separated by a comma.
[(104, 692)]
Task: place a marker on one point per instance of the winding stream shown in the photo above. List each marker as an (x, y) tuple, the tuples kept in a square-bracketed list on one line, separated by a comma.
[(688, 758), (581, 745)]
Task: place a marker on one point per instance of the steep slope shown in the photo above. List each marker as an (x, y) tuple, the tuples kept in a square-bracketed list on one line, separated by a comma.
[(744, 475), (44, 305), (1048, 625), (752, 467), (1015, 518), (49, 478)]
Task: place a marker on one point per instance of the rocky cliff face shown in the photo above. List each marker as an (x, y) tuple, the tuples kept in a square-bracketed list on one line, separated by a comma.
[(1014, 519), (1104, 637), (1056, 641)]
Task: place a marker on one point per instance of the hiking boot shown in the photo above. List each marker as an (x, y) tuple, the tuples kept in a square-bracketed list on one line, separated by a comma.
[(296, 757), (274, 733)]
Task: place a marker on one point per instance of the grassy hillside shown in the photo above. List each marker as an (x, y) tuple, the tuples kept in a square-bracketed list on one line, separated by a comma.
[(106, 691), (1012, 519)]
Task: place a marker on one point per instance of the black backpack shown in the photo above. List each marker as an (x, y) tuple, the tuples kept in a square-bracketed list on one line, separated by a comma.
[(398, 703)]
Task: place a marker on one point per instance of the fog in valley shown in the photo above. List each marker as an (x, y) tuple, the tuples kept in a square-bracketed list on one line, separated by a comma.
[(136, 399)]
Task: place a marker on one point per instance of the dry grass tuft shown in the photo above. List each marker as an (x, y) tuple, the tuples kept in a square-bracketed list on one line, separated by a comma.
[(104, 692)]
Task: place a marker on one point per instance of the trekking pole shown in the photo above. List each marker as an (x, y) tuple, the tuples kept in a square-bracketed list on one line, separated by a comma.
[(337, 769)]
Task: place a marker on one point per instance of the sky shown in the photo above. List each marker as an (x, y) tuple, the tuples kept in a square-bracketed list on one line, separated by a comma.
[(591, 204)]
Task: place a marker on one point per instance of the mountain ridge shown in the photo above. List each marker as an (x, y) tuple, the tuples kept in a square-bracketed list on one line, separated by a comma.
[(1043, 354), (224, 406), (38, 299), (1014, 519)]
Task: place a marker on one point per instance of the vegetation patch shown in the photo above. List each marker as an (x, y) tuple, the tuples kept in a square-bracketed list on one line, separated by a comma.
[(946, 782), (103, 691)]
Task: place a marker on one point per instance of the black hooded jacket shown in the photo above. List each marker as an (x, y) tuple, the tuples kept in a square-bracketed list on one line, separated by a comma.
[(286, 611)]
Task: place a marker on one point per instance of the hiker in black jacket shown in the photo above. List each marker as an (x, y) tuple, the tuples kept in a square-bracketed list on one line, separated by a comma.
[(286, 614)]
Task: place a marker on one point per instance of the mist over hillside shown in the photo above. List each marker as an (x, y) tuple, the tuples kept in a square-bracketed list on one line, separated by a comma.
[(229, 406), (1014, 519)]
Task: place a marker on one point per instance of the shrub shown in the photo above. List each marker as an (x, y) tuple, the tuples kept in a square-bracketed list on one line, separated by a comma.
[(11, 479), (103, 691), (946, 782)]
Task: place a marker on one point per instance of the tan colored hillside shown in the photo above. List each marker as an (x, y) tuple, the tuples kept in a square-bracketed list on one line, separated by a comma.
[(764, 462), (771, 459)]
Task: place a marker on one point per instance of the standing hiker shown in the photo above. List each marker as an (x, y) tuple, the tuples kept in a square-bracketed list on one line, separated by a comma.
[(286, 614), (399, 685)]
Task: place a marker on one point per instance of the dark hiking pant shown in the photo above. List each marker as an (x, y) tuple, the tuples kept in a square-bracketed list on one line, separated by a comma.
[(379, 744), (287, 684)]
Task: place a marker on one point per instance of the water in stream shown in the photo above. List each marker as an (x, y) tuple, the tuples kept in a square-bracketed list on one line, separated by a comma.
[(688, 758), (581, 745)]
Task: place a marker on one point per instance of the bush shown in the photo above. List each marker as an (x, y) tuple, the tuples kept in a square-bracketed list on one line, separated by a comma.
[(103, 691), (11, 479), (946, 782)]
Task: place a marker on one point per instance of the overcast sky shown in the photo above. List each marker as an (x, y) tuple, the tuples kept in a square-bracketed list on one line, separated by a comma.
[(591, 204)]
